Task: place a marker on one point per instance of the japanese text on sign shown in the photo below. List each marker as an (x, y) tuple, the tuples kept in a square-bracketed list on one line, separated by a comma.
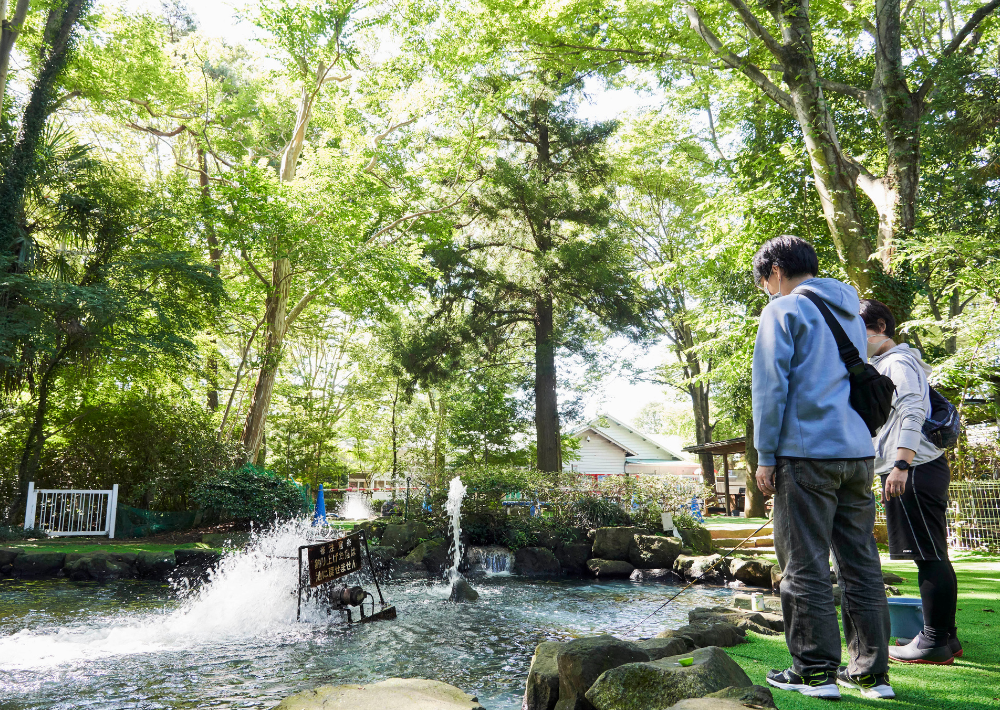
[(334, 559)]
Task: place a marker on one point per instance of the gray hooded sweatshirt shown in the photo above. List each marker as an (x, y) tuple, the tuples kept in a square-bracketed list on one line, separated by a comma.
[(911, 405), (801, 388)]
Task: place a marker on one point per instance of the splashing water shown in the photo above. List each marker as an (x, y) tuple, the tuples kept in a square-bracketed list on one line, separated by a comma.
[(456, 493), (251, 595), (355, 507)]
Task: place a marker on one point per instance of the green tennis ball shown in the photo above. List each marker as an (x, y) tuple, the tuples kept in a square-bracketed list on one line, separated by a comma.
[(686, 661)]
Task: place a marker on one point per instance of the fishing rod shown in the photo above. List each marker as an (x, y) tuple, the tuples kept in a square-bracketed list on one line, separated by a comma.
[(699, 577)]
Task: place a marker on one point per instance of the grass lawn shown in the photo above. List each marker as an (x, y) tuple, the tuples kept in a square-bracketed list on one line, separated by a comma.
[(972, 683), (93, 545)]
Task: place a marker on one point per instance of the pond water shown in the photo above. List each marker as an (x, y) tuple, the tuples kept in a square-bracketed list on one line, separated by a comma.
[(234, 642)]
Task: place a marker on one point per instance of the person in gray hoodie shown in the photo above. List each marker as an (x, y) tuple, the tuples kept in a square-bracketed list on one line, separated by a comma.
[(816, 457), (915, 478)]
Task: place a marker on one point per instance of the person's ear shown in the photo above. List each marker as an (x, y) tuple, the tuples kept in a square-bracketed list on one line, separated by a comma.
[(881, 326)]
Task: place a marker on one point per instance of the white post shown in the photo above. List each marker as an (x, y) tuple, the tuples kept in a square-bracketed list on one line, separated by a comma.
[(112, 510), (29, 509)]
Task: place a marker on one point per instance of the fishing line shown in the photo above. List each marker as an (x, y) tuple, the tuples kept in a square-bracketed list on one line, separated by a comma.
[(698, 579)]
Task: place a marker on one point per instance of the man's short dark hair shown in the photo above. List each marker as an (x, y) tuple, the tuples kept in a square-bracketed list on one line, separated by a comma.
[(873, 311), (795, 256)]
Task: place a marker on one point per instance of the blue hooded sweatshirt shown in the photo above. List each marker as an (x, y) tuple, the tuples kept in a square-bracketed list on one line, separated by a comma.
[(801, 389)]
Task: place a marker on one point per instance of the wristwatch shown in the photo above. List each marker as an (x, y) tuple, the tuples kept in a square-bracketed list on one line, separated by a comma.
[(902, 465)]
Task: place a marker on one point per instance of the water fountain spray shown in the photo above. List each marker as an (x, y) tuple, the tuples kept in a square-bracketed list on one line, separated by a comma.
[(461, 590)]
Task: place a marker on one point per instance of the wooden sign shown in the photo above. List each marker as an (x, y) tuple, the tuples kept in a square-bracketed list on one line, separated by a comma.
[(332, 560)]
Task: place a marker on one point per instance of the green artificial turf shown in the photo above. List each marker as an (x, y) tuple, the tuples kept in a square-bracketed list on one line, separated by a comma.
[(972, 683)]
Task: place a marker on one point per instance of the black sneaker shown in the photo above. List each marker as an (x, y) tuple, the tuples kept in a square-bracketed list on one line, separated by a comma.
[(815, 685), (871, 685)]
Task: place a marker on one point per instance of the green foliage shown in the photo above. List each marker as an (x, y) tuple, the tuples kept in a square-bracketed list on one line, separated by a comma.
[(14, 533), (252, 494), (598, 512)]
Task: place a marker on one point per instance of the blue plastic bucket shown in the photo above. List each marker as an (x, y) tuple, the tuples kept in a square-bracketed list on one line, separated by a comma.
[(906, 617)]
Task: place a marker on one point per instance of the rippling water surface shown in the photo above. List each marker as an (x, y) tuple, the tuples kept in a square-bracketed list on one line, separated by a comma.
[(234, 642)]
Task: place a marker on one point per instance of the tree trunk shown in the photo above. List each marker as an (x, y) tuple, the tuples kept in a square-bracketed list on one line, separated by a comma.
[(835, 175), (546, 403), (703, 429), (33, 444), (214, 258), (24, 156), (277, 326), (11, 30), (754, 507)]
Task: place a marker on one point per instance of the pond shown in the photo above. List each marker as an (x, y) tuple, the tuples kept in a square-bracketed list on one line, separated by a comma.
[(234, 642)]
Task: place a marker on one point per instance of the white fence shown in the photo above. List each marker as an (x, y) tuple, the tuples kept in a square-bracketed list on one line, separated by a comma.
[(68, 512)]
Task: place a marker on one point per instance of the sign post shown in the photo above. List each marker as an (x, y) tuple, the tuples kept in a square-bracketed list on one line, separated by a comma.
[(330, 560)]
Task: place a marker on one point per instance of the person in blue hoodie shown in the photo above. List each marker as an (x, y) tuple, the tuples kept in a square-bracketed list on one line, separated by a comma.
[(816, 458)]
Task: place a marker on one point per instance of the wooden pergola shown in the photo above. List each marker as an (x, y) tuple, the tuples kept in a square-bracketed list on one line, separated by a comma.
[(723, 449)]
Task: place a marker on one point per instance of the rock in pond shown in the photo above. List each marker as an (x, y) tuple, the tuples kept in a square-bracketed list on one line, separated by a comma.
[(38, 564), (691, 568), (391, 694), (757, 696), (762, 622), (419, 553), (614, 543), (609, 569), (776, 578), (654, 551), (536, 562), (542, 689), (573, 556), (698, 539), (656, 685), (7, 555), (582, 661), (667, 576), (752, 572), (98, 565), (404, 537), (462, 591), (156, 565)]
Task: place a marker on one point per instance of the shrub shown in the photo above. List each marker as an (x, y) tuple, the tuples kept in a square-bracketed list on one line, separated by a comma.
[(10, 533), (598, 512), (252, 494)]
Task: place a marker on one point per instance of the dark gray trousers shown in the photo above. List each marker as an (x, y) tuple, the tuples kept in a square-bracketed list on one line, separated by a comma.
[(823, 505)]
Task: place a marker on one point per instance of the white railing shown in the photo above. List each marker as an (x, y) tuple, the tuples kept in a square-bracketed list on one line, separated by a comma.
[(69, 512)]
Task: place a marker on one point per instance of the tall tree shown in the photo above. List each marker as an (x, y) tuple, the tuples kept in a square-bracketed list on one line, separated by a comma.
[(538, 260)]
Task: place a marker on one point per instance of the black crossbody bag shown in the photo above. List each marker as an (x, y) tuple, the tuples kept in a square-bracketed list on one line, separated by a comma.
[(871, 392)]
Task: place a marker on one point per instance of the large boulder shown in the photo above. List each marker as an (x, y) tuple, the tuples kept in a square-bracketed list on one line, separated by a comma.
[(197, 557), (573, 556), (536, 562), (418, 555), (654, 551), (609, 569), (691, 568), (720, 634), (155, 565), (542, 689), (614, 543), (664, 647), (38, 564), (698, 539), (404, 537), (581, 661), (776, 577), (7, 555), (98, 565), (391, 694), (656, 685), (752, 572)]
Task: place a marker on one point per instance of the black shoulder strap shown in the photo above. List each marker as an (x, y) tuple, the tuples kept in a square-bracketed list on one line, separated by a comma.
[(848, 352)]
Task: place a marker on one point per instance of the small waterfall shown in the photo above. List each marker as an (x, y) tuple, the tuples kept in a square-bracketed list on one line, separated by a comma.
[(456, 493), (491, 560)]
